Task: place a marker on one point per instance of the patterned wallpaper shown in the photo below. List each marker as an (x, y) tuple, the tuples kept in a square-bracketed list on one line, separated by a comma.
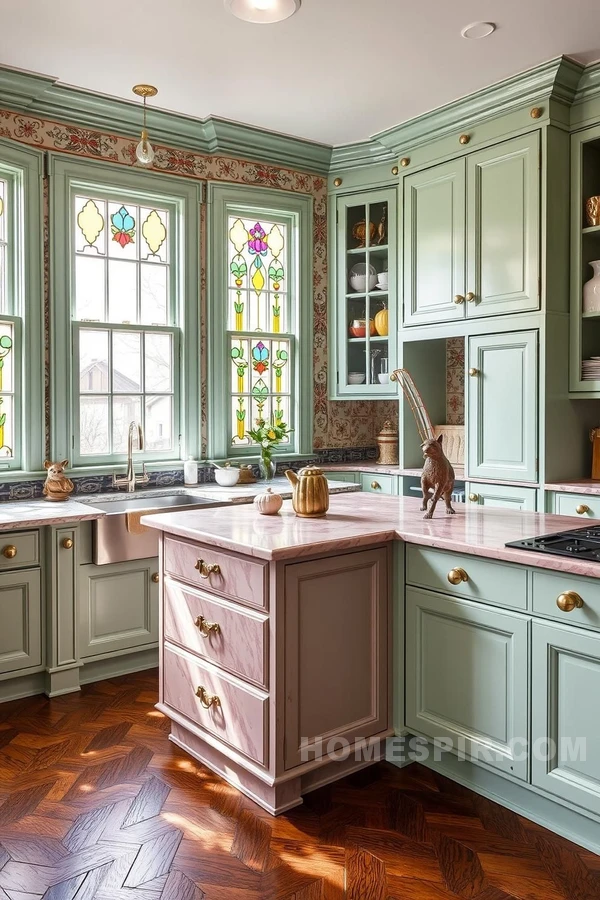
[(338, 424), (455, 381)]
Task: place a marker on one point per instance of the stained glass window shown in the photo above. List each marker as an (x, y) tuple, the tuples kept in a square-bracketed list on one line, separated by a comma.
[(3, 245), (126, 342), (260, 346), (7, 388)]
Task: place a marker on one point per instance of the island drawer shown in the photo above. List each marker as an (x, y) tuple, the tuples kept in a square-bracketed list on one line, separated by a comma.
[(229, 636), (19, 549), (548, 587), (583, 506), (487, 580), (238, 577), (239, 717), (374, 483)]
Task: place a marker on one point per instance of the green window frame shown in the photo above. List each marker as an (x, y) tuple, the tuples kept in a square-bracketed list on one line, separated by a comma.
[(180, 202), (22, 433), (294, 213)]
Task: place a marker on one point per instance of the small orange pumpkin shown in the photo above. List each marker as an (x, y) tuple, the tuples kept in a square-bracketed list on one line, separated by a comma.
[(381, 322)]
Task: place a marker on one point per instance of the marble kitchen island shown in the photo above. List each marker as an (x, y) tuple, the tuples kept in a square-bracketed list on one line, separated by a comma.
[(290, 645)]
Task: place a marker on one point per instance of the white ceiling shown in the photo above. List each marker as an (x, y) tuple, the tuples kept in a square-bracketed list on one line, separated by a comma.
[(337, 71)]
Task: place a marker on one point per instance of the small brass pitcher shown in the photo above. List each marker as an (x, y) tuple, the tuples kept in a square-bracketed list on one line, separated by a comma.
[(311, 492)]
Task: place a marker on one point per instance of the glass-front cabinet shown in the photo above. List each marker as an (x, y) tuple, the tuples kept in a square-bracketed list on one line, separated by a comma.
[(364, 296)]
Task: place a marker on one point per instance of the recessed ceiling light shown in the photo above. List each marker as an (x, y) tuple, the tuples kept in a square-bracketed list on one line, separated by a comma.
[(263, 12), (477, 30)]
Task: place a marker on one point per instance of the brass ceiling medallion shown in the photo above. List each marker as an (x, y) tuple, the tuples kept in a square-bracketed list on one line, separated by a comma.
[(464, 139), (145, 90), (536, 112)]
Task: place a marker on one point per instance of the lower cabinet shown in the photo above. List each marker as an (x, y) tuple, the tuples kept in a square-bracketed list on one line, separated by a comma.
[(375, 483), (467, 670), (21, 618), (118, 607), (502, 495), (586, 506), (352, 477), (566, 714)]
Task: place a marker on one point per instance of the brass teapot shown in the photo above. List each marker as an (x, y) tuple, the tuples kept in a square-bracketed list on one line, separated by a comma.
[(311, 492)]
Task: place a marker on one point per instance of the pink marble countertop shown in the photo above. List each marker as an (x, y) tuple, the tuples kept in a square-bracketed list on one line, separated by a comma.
[(582, 486), (34, 513), (372, 466), (356, 520)]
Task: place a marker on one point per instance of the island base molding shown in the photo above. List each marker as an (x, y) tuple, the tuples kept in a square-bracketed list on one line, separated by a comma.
[(284, 794), (525, 801)]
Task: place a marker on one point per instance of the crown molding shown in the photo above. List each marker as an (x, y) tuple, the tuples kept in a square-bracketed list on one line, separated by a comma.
[(46, 97)]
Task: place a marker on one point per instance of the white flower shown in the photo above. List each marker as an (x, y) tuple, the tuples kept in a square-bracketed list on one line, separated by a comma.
[(265, 443)]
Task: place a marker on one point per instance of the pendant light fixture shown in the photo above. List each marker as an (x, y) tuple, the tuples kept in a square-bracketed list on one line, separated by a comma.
[(262, 12), (144, 150)]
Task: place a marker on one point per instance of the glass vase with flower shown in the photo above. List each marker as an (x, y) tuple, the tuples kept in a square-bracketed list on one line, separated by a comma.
[(268, 436)]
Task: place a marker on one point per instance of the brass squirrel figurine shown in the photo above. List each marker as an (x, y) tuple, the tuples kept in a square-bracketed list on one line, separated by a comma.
[(438, 476), (57, 486)]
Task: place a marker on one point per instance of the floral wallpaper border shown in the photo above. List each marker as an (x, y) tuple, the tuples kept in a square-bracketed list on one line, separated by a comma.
[(337, 424)]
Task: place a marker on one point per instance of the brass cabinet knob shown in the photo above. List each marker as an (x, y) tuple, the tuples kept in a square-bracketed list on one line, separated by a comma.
[(474, 497), (457, 576), (206, 628), (67, 544), (375, 486), (464, 139), (405, 161), (459, 299), (207, 570), (206, 699), (337, 182), (582, 509), (569, 601), (395, 170), (10, 552), (536, 112), (473, 372), (470, 297), (155, 577)]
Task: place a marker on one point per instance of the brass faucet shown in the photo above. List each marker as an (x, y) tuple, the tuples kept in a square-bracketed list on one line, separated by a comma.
[(130, 480)]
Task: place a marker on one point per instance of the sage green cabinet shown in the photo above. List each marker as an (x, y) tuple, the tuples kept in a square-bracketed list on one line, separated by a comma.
[(585, 506), (351, 477), (434, 244), (472, 235), (21, 618), (508, 496), (363, 283), (467, 672), (502, 407), (374, 483), (118, 607), (566, 714)]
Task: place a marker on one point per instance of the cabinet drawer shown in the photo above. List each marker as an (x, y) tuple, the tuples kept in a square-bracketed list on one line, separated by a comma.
[(19, 549), (502, 495), (492, 582), (241, 718), (548, 587), (375, 483), (583, 506), (239, 577), (352, 477), (240, 643)]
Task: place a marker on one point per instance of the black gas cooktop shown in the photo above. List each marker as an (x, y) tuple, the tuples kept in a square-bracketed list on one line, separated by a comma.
[(584, 543)]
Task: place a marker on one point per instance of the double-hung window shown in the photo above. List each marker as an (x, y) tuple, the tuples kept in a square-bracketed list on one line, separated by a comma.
[(127, 305), (260, 304)]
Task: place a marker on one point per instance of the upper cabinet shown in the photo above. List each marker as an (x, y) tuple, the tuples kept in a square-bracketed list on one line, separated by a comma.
[(364, 296), (472, 234)]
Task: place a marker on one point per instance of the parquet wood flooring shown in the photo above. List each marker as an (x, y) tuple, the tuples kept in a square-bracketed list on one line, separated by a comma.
[(97, 804)]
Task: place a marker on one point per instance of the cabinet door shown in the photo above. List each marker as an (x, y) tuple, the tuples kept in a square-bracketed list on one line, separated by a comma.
[(118, 607), (502, 407), (434, 244), (466, 678), (337, 651), (566, 714), (503, 495), (503, 228), (21, 618)]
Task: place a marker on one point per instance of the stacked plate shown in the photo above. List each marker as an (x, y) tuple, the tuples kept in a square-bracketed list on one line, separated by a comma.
[(590, 369)]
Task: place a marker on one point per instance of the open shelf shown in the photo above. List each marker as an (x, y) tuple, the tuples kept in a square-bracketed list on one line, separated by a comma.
[(591, 229), (590, 315), (377, 337), (354, 251), (361, 295)]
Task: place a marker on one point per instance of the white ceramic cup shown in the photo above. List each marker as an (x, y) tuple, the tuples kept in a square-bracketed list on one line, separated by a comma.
[(382, 279)]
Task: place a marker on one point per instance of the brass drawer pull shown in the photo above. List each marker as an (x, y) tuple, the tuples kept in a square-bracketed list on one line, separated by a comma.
[(456, 576), (474, 498), (581, 509), (375, 486), (473, 372), (206, 699), (569, 601), (205, 627), (470, 297), (155, 577), (458, 299), (9, 552), (207, 570), (67, 544)]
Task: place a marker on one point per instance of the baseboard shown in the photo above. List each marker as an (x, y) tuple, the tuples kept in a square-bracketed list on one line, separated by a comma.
[(522, 800), (20, 686), (99, 669)]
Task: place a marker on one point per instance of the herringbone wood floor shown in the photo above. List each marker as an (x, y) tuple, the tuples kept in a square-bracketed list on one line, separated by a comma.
[(97, 804)]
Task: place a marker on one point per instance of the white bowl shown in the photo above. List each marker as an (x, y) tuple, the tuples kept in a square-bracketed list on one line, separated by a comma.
[(359, 282), (227, 477), (384, 378), (356, 378)]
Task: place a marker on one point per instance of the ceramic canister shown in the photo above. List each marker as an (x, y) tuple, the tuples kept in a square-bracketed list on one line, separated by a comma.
[(387, 441)]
